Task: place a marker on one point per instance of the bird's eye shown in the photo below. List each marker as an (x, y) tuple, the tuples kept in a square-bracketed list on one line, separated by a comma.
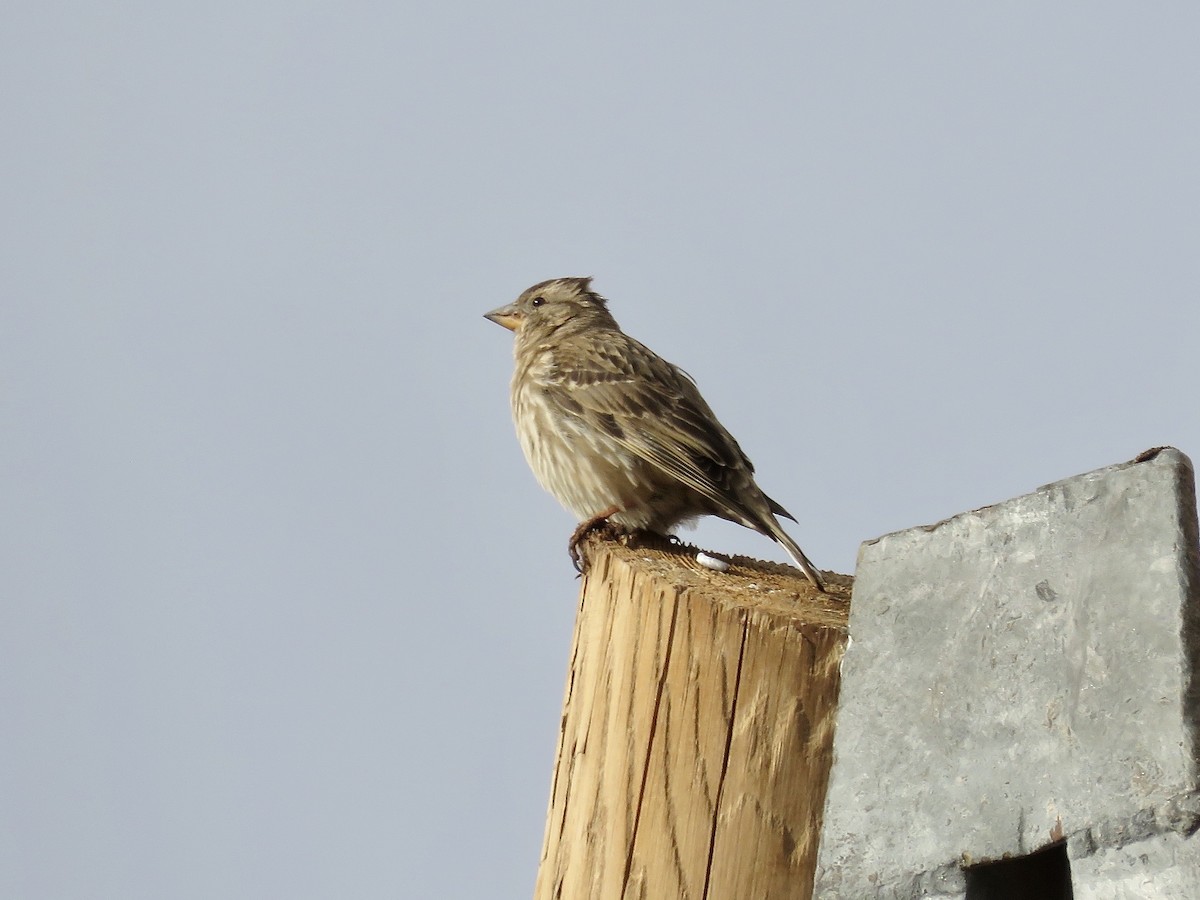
[(538, 301)]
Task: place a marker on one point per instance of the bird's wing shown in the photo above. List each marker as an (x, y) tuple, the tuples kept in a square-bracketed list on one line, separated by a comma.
[(653, 409)]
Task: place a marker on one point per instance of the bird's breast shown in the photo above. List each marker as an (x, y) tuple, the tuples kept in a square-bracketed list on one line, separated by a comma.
[(580, 463)]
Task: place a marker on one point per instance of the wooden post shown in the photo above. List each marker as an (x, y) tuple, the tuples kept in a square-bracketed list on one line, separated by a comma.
[(697, 730)]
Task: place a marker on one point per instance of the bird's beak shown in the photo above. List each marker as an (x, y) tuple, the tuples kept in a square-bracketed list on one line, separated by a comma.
[(506, 316)]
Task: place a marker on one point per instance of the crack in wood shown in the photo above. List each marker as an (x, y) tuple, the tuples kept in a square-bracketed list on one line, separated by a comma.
[(737, 685), (662, 684)]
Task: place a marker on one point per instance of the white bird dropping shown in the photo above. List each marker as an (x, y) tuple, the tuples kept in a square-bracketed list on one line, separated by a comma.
[(711, 562)]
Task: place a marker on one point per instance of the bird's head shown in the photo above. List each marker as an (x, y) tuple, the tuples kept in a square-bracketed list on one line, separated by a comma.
[(551, 305)]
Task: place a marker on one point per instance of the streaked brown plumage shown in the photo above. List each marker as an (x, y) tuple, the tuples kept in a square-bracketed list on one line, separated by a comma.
[(617, 433)]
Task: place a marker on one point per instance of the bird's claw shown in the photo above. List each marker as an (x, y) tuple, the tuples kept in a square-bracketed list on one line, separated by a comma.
[(586, 527)]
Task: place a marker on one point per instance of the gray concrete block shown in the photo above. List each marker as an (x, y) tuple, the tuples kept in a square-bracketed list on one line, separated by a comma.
[(1163, 867), (1018, 675)]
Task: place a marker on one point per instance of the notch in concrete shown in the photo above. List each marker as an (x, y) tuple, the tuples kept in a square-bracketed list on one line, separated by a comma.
[(1045, 875)]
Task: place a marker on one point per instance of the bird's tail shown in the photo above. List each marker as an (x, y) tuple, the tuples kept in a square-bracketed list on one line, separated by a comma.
[(775, 530)]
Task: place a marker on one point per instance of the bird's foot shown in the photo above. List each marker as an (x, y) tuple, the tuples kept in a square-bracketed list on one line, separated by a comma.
[(586, 527)]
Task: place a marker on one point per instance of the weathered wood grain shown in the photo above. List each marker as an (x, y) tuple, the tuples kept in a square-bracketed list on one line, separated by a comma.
[(696, 733)]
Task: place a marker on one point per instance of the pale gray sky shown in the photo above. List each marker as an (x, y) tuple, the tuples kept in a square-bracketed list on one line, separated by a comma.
[(284, 612)]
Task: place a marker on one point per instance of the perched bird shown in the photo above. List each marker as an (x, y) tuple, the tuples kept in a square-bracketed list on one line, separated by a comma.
[(615, 432)]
